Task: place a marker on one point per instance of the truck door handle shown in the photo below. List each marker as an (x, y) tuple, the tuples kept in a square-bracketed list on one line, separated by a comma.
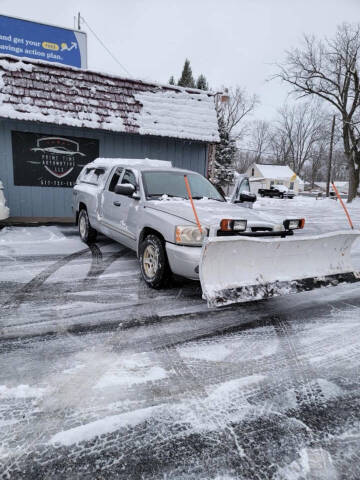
[(117, 204)]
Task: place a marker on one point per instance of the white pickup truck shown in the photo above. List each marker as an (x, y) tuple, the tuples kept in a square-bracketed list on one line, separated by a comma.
[(192, 231)]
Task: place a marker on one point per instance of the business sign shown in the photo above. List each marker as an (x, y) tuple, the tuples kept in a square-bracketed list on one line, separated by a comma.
[(42, 160), (39, 41)]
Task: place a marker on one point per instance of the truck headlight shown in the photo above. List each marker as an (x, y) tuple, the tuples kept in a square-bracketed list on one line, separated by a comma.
[(228, 225), (293, 224), (189, 235)]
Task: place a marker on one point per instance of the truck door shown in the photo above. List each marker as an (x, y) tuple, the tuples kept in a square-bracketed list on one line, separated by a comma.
[(109, 206), (128, 209), (114, 208)]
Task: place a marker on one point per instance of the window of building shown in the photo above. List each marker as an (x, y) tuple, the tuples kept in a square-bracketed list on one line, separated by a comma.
[(291, 185), (253, 172)]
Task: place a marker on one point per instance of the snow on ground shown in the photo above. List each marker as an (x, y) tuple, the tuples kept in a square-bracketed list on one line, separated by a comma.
[(102, 377), (322, 215)]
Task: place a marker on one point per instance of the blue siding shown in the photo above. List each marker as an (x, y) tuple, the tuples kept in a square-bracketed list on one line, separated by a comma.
[(56, 202)]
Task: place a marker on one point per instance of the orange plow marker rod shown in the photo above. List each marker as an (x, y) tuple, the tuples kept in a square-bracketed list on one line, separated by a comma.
[(192, 202), (343, 205)]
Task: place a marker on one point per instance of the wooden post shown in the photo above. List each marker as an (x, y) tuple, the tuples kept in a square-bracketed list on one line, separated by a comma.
[(328, 179)]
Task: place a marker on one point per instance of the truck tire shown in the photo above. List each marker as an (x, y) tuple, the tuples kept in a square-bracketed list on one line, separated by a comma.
[(154, 264), (86, 232), (262, 195)]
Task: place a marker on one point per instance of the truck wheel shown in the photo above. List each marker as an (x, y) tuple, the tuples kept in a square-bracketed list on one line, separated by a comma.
[(86, 232), (154, 265), (262, 195), (281, 195)]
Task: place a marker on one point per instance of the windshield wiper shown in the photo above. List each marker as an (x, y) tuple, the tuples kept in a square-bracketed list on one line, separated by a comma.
[(208, 198), (162, 194)]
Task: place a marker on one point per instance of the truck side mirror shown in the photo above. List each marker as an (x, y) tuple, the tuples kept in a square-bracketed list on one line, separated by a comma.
[(126, 189), (247, 197)]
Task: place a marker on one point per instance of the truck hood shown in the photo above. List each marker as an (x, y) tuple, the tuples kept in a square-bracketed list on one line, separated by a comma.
[(210, 212)]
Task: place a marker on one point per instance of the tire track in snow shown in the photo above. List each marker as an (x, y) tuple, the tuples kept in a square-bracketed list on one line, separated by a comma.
[(194, 386), (15, 300), (302, 376), (20, 295)]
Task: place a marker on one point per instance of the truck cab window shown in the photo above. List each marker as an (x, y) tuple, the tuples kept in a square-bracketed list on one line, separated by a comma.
[(115, 179), (245, 186), (129, 177)]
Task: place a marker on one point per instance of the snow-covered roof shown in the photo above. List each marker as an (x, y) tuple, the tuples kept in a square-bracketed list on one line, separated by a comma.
[(51, 93), (281, 172)]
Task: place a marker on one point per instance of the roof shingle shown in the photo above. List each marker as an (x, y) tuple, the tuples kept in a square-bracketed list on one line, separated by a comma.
[(44, 92)]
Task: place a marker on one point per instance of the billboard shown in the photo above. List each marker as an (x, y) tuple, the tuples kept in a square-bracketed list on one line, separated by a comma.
[(39, 41), (42, 160)]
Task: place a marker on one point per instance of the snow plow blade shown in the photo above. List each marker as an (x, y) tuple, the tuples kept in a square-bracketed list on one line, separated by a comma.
[(243, 269)]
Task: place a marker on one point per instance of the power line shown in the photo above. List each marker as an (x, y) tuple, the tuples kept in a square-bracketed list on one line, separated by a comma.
[(103, 44)]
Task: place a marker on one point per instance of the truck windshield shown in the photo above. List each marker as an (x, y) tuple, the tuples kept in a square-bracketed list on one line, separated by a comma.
[(172, 184)]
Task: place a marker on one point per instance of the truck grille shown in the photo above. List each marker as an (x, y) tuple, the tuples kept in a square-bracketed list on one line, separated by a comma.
[(261, 229)]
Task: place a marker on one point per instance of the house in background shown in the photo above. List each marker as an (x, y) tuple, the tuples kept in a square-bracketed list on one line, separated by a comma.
[(268, 175)]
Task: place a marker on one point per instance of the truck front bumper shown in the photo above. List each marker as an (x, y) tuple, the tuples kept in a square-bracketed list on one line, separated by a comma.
[(184, 261)]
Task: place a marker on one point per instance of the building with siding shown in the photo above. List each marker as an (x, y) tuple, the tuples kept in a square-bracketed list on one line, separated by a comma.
[(55, 119)]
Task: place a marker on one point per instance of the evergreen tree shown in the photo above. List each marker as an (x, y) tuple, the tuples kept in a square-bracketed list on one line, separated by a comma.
[(223, 170), (202, 83), (172, 80), (187, 79)]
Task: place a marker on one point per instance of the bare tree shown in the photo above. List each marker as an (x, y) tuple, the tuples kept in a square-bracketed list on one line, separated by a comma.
[(233, 106), (243, 160), (259, 139), (329, 69), (279, 146), (318, 161), (300, 127)]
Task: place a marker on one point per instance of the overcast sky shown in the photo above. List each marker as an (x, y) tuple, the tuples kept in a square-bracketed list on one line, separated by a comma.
[(233, 42)]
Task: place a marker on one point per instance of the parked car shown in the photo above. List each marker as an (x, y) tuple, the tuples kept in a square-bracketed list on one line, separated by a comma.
[(4, 210), (279, 191)]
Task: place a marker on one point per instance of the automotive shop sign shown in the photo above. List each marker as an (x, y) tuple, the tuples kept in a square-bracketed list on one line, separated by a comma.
[(42, 160), (39, 41)]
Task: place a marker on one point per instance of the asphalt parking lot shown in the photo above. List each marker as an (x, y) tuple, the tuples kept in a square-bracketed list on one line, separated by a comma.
[(103, 378)]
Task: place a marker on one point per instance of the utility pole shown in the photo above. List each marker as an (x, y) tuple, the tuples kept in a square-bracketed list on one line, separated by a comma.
[(328, 179), (79, 21)]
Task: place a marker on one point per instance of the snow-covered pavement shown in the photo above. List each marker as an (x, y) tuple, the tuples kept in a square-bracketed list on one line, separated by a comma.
[(103, 378)]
